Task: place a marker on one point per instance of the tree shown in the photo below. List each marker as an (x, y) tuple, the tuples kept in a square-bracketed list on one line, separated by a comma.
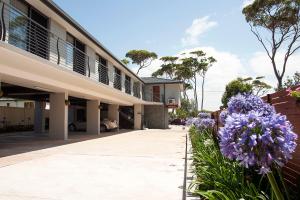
[(192, 66), (237, 86), (143, 58), (205, 63), (168, 68), (184, 73), (275, 23), (292, 81), (259, 87), (125, 61)]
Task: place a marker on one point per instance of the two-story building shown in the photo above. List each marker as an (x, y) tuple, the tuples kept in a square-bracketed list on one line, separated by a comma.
[(46, 56)]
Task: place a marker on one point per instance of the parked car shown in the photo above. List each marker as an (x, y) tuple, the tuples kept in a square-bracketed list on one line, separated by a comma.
[(177, 122), (105, 125)]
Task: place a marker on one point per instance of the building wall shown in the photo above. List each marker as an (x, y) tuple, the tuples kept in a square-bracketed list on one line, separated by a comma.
[(11, 116), (172, 91), (156, 117)]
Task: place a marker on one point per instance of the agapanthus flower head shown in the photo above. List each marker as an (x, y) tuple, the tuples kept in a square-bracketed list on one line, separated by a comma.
[(258, 141), (223, 115), (200, 123), (244, 103), (191, 121), (204, 115), (206, 123)]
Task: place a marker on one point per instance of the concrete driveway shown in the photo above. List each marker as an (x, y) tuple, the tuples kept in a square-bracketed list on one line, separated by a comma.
[(134, 165)]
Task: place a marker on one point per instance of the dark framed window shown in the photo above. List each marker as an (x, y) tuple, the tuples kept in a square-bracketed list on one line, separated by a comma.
[(127, 84), (117, 79), (103, 70)]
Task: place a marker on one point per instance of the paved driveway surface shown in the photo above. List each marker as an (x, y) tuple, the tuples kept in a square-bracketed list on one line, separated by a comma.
[(136, 165)]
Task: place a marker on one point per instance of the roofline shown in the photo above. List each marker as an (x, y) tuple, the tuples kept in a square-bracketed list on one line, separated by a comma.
[(53, 6), (177, 82)]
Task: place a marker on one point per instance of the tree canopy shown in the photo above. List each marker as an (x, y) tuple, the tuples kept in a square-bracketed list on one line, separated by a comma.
[(275, 23), (143, 58)]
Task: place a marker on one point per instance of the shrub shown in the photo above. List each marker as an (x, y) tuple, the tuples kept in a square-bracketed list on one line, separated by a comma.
[(218, 177)]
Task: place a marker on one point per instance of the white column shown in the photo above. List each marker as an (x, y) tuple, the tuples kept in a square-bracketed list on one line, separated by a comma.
[(58, 116), (138, 115), (113, 112), (93, 117), (39, 116)]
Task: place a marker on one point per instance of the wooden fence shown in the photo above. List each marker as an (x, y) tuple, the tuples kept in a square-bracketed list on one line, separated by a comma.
[(288, 106)]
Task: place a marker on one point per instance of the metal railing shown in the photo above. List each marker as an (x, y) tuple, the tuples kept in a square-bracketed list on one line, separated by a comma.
[(20, 31), (149, 96), (117, 81), (23, 32), (137, 90), (127, 86), (103, 73)]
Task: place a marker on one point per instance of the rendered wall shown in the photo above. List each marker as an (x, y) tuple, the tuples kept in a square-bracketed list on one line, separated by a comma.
[(156, 117)]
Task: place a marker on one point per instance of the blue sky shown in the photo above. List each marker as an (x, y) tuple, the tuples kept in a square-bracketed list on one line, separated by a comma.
[(172, 27), (159, 25)]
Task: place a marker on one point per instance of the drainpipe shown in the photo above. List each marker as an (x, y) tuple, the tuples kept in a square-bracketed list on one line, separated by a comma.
[(164, 101)]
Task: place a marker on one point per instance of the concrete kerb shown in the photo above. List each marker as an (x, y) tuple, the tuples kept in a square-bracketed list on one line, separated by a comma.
[(190, 175)]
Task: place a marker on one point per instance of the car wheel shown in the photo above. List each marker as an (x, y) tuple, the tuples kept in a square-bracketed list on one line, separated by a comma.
[(72, 127), (103, 128)]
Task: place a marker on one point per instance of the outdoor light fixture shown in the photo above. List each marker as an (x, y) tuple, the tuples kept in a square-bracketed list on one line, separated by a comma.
[(1, 92), (67, 102), (100, 107)]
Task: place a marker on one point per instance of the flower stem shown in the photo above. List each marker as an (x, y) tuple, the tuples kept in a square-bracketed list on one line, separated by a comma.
[(274, 186)]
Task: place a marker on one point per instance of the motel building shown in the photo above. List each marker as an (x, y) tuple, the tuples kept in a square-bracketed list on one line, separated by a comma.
[(54, 75)]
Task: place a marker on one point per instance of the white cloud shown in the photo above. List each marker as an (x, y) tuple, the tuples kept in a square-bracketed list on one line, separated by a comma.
[(228, 67), (260, 65), (198, 27), (246, 3)]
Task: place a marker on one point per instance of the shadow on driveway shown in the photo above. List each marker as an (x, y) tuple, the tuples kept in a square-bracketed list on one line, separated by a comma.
[(23, 142)]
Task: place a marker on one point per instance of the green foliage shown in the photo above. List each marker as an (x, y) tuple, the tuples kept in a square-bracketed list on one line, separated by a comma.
[(235, 87), (292, 81), (276, 25), (168, 68), (259, 87), (125, 61), (143, 58), (186, 109), (218, 177)]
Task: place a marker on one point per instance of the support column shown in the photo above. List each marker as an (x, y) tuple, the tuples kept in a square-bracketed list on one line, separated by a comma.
[(93, 117), (138, 116), (58, 116), (39, 116), (113, 112)]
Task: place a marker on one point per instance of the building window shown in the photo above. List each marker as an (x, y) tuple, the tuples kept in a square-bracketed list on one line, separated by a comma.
[(127, 84), (28, 29), (75, 55), (103, 70), (117, 79)]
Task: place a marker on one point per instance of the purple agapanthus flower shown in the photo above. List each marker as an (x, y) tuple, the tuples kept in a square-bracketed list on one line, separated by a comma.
[(223, 115), (200, 123), (256, 140), (243, 103), (204, 115)]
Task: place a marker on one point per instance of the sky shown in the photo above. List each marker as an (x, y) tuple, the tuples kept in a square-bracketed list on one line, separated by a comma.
[(170, 28)]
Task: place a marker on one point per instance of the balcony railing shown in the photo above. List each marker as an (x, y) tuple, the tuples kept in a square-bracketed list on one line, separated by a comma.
[(149, 96), (117, 81), (103, 73), (127, 86), (136, 90)]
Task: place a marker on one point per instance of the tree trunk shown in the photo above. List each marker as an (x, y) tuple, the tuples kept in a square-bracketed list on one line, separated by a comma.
[(279, 84), (137, 73), (195, 94), (202, 98)]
